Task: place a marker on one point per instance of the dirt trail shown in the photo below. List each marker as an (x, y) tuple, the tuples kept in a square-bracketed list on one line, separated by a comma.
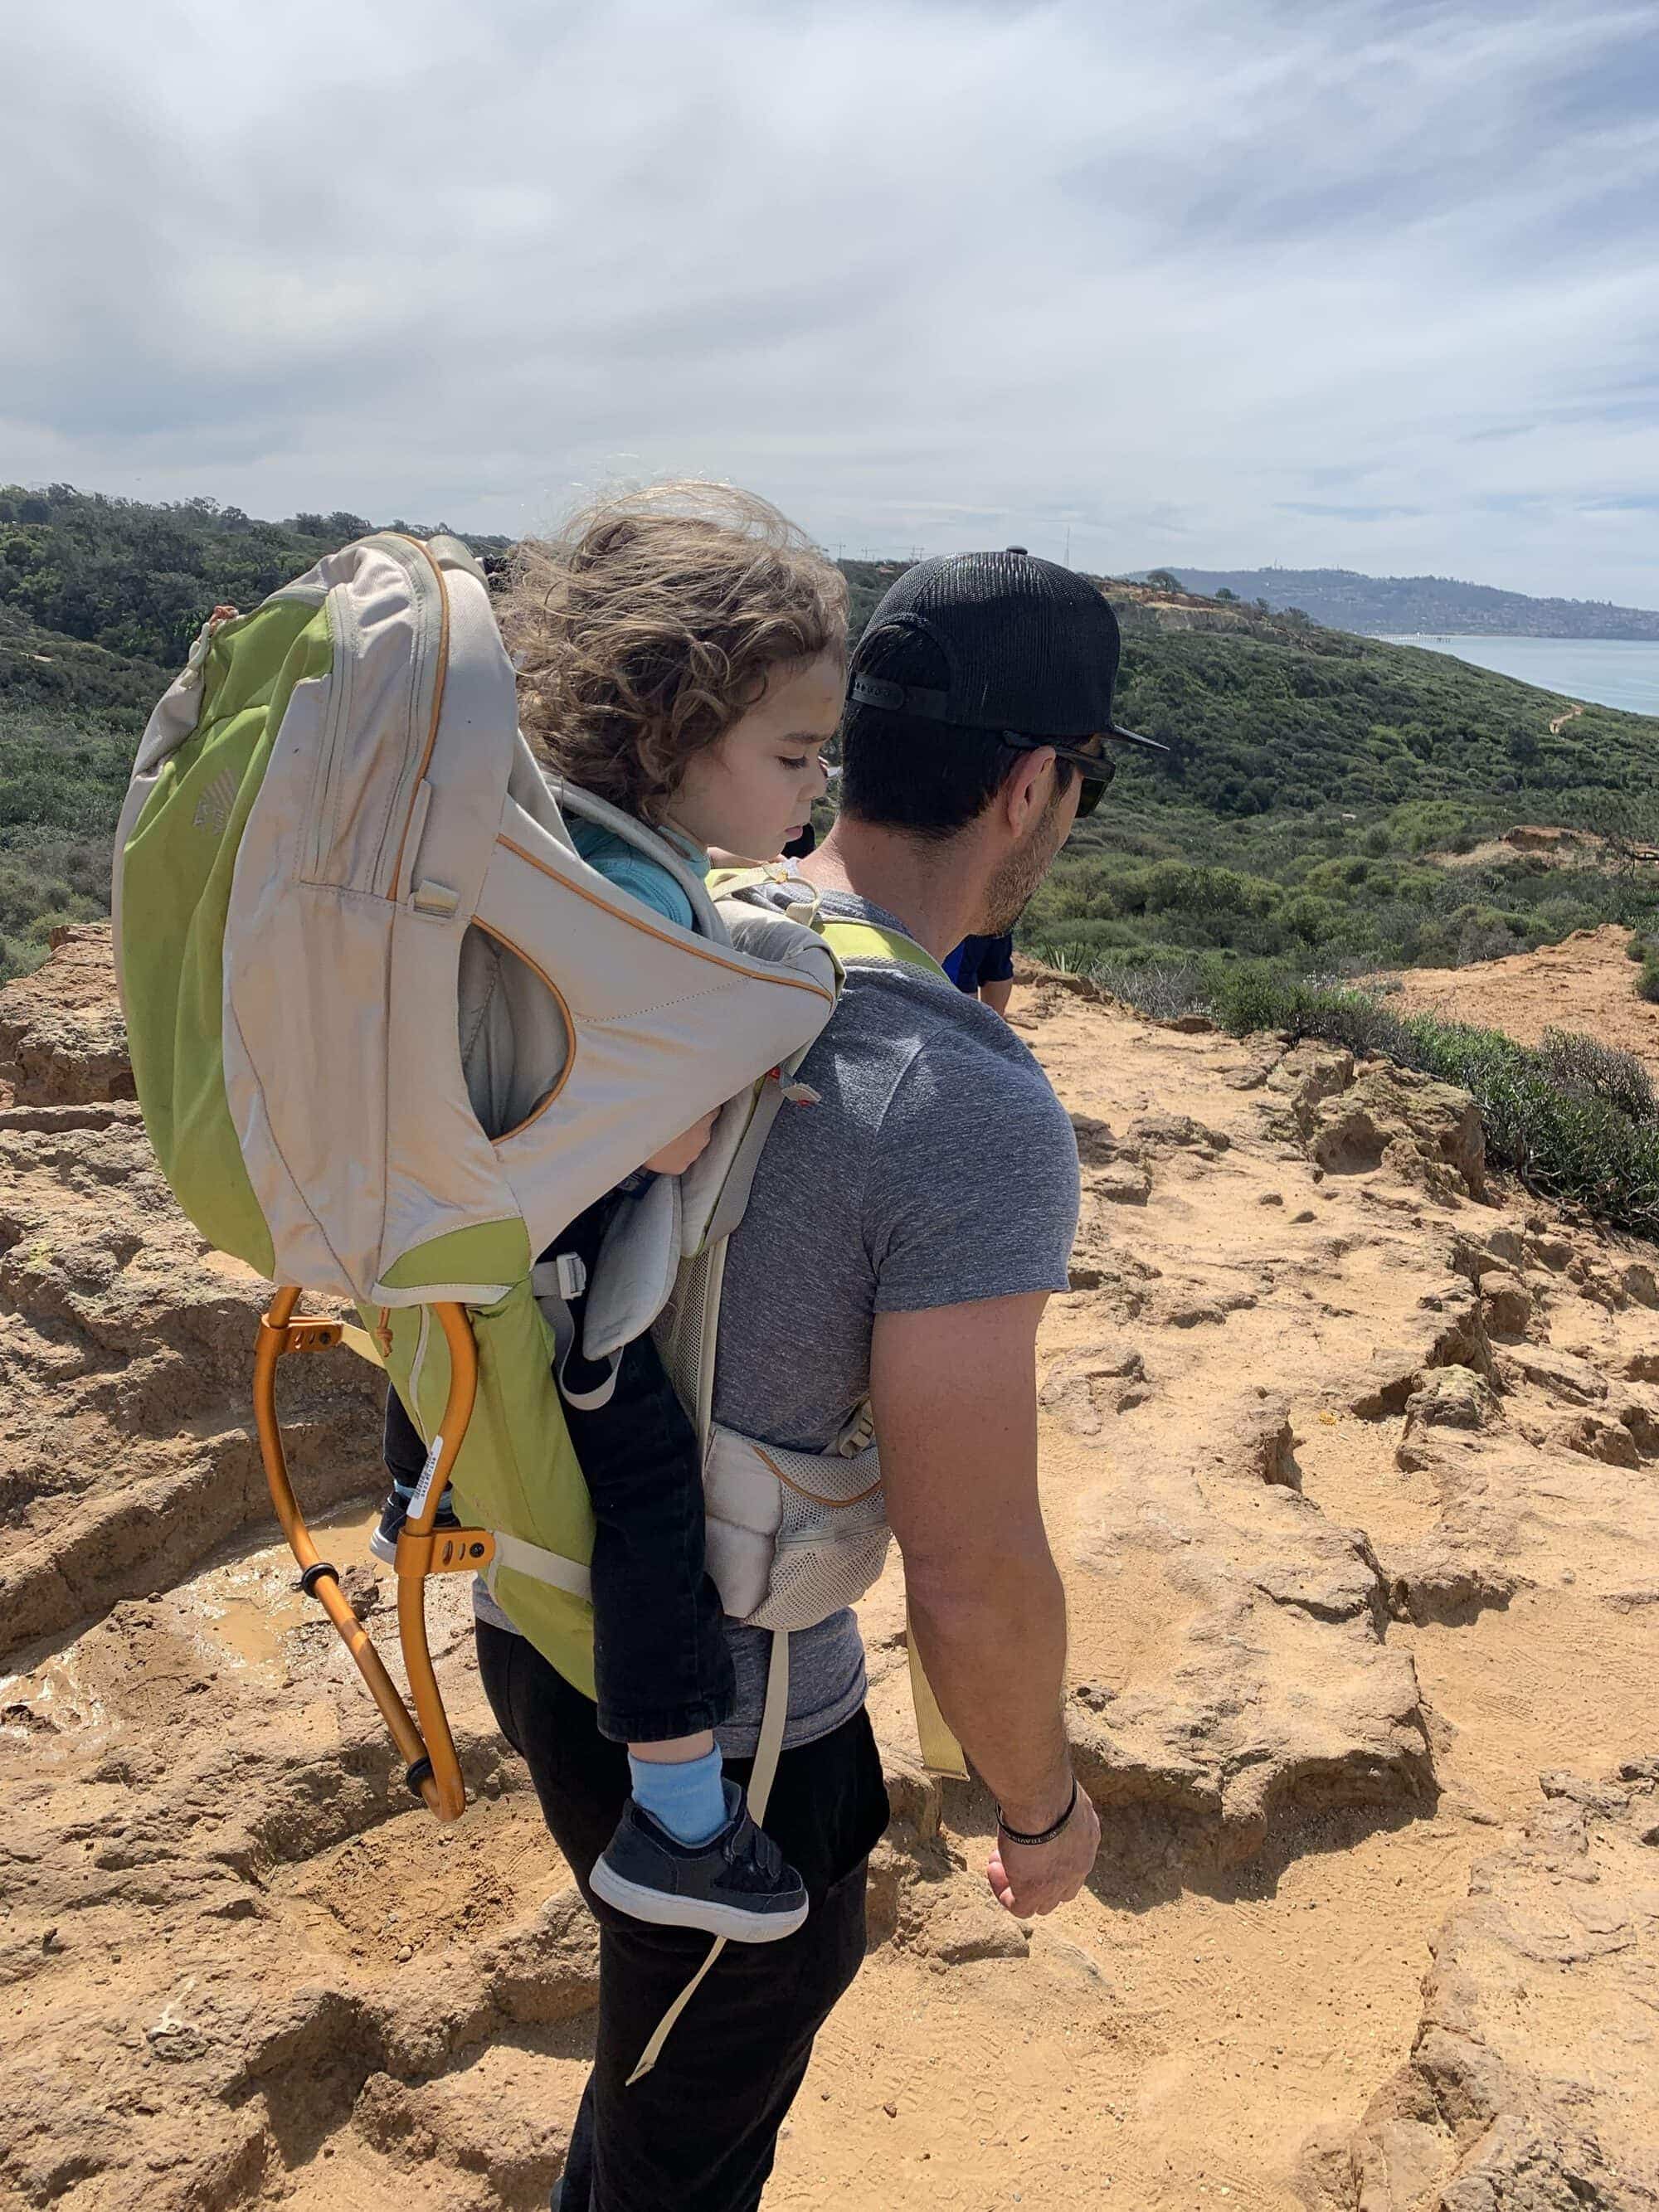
[(1352, 1461), (1587, 982)]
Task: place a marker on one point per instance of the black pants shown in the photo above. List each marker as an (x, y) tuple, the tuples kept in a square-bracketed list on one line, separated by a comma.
[(699, 2133), (661, 1661)]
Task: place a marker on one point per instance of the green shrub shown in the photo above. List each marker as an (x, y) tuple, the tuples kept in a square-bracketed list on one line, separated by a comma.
[(1433, 825), (1647, 983), (1599, 1071)]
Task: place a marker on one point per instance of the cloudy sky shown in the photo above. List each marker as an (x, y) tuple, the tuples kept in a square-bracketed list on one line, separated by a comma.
[(1302, 280)]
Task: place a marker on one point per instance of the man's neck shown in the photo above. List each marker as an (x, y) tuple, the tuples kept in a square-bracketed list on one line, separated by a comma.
[(936, 891)]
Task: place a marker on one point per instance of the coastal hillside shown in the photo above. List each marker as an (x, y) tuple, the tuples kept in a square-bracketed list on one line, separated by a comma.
[(1350, 1454), (1399, 605), (1317, 785)]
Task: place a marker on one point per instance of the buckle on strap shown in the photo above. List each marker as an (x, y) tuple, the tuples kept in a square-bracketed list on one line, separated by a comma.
[(564, 1276), (444, 1552)]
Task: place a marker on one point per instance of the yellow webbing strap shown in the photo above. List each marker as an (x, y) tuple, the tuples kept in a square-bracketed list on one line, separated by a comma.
[(359, 1341), (941, 1751), (868, 940), (760, 1778)]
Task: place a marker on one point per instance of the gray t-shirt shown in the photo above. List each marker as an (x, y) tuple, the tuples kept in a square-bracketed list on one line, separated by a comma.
[(938, 1168)]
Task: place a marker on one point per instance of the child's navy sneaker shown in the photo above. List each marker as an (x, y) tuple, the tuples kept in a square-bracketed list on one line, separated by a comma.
[(394, 1514), (738, 1884)]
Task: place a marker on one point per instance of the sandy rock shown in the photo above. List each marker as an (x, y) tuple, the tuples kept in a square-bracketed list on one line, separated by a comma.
[(1446, 1329), (1505, 1303), (1263, 1596), (1420, 1131), (1085, 1388), (63, 1041), (1450, 1409), (128, 1452), (240, 1969), (1532, 2084), (1641, 1417), (1121, 1184), (1451, 1398), (1165, 1131), (1598, 1438), (1559, 1374), (1445, 1581)]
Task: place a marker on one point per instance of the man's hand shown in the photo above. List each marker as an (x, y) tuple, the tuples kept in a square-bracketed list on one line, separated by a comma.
[(1030, 1879), (675, 1159)]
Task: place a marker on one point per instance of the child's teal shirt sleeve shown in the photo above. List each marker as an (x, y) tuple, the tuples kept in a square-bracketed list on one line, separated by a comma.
[(624, 864), (653, 886)]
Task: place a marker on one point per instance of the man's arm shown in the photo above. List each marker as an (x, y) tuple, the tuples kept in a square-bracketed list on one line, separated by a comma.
[(953, 1390), (998, 995)]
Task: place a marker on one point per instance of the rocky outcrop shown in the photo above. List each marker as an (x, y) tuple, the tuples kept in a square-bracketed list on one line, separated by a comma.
[(62, 1041), (1325, 1401), (1532, 2081), (128, 1452)]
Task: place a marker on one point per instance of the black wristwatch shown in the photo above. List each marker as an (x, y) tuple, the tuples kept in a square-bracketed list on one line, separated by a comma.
[(1048, 1835)]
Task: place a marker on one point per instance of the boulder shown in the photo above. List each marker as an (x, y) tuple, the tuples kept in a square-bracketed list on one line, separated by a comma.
[(1505, 1303), (1420, 1131), (63, 1041)]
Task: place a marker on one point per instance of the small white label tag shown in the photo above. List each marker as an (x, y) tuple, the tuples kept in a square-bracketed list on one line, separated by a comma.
[(417, 1503)]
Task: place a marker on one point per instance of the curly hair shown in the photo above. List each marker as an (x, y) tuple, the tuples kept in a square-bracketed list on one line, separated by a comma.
[(650, 625)]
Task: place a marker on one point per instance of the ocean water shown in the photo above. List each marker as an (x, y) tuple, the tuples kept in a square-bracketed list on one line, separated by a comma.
[(1610, 671)]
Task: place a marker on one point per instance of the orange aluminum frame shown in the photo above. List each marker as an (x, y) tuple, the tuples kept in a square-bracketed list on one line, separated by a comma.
[(422, 1738)]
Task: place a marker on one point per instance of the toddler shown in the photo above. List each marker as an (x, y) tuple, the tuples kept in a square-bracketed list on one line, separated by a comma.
[(680, 653)]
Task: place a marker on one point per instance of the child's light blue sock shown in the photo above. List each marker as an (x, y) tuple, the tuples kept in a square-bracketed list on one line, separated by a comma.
[(687, 1795)]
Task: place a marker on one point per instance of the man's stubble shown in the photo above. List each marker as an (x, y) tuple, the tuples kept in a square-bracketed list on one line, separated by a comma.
[(1010, 889)]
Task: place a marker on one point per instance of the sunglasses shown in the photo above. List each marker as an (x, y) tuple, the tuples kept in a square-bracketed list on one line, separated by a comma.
[(1097, 770)]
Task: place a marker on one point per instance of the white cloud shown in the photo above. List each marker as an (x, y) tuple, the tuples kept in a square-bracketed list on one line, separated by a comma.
[(1366, 283)]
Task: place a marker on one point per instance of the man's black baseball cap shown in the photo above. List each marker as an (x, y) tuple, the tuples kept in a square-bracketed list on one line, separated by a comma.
[(1030, 647)]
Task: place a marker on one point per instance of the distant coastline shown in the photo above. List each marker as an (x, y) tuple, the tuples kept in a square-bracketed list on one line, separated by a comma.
[(1416, 606), (1616, 671)]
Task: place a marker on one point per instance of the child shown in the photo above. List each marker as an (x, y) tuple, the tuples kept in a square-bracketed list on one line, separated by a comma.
[(680, 653)]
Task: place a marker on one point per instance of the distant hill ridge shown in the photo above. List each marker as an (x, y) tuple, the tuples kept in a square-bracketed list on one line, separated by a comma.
[(1381, 606)]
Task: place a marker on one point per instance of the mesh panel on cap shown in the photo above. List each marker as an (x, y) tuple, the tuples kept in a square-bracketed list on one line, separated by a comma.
[(1031, 646)]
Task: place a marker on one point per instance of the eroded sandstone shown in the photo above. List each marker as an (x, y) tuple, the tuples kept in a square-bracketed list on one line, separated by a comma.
[(1321, 1387)]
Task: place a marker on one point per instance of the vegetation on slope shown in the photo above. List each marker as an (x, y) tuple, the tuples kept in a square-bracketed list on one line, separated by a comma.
[(1325, 893), (138, 579), (1318, 782), (99, 599)]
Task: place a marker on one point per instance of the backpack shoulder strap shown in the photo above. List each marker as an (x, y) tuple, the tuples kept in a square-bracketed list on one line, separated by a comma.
[(870, 945)]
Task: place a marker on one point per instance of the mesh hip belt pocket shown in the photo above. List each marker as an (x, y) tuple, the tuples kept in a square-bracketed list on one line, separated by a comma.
[(792, 1536)]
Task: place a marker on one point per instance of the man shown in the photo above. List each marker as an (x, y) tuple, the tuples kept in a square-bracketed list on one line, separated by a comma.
[(983, 967), (877, 1259)]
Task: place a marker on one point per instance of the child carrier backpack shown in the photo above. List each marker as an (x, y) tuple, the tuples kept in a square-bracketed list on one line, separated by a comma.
[(391, 1034)]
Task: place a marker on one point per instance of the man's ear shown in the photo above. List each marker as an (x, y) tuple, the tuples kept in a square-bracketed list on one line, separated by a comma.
[(1026, 789)]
